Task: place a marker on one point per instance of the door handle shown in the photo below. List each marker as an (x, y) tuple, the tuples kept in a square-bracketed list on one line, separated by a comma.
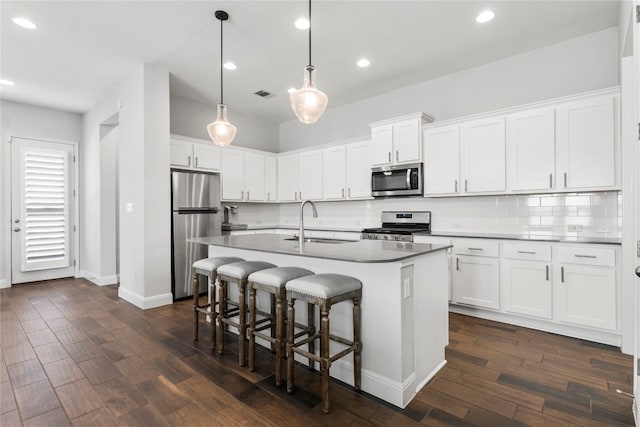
[(16, 229)]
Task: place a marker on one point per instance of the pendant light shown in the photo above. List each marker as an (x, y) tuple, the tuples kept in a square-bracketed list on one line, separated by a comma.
[(308, 102), (221, 131)]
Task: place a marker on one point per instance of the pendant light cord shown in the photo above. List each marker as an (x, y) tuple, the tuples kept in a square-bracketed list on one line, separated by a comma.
[(309, 32), (221, 72)]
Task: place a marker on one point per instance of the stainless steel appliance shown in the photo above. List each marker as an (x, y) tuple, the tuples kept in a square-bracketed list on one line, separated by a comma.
[(400, 226), (397, 180), (195, 204)]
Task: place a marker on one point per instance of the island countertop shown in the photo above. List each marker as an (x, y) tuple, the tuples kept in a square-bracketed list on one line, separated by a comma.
[(364, 251)]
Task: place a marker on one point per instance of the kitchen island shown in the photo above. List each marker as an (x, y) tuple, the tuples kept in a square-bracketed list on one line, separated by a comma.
[(404, 323)]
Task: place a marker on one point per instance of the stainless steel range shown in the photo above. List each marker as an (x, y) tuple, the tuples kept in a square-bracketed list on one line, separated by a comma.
[(399, 226)]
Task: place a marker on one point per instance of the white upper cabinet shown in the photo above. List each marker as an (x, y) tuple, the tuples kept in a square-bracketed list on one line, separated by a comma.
[(254, 177), (271, 178), (531, 150), (310, 175), (359, 170), (196, 155), (398, 140), (442, 160), (483, 156), (288, 184), (334, 161), (586, 143), (232, 174)]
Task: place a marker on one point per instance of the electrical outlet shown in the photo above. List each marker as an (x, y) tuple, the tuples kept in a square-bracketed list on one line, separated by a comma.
[(574, 228), (407, 287)]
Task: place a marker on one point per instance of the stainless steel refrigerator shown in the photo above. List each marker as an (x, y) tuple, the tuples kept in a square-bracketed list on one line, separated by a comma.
[(195, 204)]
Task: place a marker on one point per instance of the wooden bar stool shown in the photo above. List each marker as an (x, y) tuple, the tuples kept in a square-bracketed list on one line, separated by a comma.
[(325, 290), (207, 267), (236, 272), (273, 281)]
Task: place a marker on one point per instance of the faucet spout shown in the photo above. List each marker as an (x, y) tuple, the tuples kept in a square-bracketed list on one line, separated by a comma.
[(315, 215)]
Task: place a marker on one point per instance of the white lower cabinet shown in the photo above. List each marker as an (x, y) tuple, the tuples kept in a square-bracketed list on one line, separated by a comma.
[(476, 281), (586, 296), (434, 240), (526, 288)]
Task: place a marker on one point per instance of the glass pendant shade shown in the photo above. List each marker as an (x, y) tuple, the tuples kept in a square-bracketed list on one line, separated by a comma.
[(221, 131), (308, 102)]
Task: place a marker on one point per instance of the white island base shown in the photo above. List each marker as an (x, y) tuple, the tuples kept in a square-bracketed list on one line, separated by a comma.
[(404, 315)]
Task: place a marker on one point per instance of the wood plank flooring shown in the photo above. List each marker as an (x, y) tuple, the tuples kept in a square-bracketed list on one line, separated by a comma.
[(73, 353)]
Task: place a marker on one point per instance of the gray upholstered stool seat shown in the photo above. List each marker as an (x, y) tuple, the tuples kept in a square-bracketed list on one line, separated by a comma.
[(207, 267), (324, 290), (235, 272), (273, 281)]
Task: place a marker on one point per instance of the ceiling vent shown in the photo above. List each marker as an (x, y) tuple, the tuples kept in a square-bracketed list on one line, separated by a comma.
[(264, 94)]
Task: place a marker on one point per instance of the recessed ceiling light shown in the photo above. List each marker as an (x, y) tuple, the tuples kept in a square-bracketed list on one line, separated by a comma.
[(24, 23), (302, 24), (291, 89), (230, 66), (485, 16), (363, 63), (7, 82)]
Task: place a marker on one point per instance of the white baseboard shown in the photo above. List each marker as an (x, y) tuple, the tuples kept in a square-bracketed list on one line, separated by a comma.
[(98, 280), (4, 283), (145, 302)]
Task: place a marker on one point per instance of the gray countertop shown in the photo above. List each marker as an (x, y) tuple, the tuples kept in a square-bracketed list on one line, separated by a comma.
[(356, 251), (526, 237)]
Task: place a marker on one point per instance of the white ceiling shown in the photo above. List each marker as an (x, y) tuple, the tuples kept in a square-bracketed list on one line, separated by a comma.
[(82, 49)]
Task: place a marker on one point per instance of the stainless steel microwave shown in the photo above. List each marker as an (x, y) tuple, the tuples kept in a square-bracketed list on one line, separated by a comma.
[(397, 180)]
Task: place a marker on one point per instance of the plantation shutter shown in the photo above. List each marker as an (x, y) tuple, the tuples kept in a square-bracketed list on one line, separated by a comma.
[(45, 209)]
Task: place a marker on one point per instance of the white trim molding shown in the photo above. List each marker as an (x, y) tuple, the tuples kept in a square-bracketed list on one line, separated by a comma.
[(98, 280), (4, 283), (145, 302)]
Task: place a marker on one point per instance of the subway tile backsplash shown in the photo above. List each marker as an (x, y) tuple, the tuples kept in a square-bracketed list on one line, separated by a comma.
[(599, 213)]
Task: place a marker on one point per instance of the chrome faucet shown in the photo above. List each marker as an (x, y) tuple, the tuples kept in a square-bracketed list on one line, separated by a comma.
[(315, 215)]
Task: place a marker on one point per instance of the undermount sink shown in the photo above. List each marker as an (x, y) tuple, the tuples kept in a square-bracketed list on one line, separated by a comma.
[(318, 240)]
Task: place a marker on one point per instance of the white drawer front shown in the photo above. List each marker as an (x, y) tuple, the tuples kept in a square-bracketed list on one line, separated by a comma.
[(586, 255), (476, 247), (526, 251)]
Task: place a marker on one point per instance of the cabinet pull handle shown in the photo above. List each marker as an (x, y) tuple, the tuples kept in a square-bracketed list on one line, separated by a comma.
[(188, 160), (456, 186), (565, 180), (349, 192), (466, 185), (397, 156), (562, 274), (343, 193), (547, 270), (196, 161), (585, 256), (268, 196), (242, 195), (389, 156), (457, 263), (475, 249), (527, 252), (550, 180), (247, 195)]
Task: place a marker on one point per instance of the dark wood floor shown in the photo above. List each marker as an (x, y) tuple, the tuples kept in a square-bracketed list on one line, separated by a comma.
[(73, 353)]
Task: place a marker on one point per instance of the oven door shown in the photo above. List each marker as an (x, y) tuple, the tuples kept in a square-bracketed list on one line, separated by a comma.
[(396, 181)]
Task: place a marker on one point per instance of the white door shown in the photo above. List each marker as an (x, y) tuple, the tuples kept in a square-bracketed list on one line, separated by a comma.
[(442, 160), (407, 141), (42, 210), (334, 172), (483, 155), (526, 287), (232, 174), (531, 143), (254, 176), (476, 281), (358, 170)]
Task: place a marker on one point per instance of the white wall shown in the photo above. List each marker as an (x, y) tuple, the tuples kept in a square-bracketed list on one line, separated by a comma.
[(26, 121), (578, 65), (190, 118), (142, 104)]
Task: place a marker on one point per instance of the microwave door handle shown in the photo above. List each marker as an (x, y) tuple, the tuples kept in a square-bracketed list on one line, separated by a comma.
[(408, 178)]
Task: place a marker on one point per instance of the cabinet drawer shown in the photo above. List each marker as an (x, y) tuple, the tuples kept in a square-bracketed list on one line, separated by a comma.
[(476, 247), (526, 251), (589, 256)]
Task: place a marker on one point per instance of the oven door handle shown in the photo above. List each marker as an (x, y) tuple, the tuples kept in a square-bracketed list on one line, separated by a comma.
[(408, 178)]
